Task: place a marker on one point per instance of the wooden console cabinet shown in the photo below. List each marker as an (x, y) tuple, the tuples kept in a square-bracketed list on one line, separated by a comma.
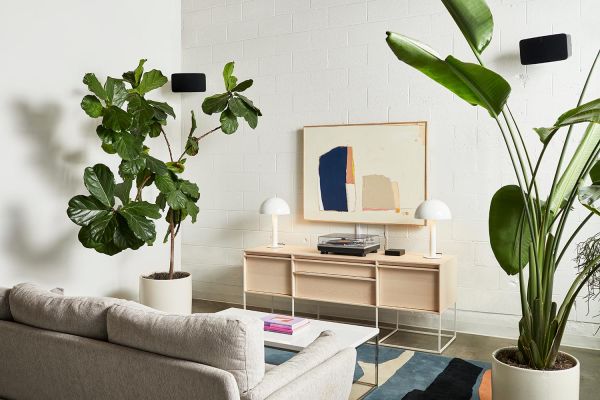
[(408, 282)]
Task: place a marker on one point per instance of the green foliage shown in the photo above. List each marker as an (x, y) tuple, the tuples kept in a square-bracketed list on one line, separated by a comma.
[(508, 228), (114, 217), (525, 231), (472, 83)]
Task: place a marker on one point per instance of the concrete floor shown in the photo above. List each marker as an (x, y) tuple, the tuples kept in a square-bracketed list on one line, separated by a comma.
[(468, 347)]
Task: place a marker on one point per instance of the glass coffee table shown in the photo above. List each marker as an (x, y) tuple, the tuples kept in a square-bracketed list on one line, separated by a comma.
[(348, 336)]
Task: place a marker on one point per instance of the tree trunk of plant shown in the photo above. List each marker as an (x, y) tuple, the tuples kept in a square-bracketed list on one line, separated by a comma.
[(172, 259)]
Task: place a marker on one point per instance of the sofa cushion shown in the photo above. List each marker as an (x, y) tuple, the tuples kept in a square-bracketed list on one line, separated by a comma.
[(82, 316), (4, 305), (232, 344)]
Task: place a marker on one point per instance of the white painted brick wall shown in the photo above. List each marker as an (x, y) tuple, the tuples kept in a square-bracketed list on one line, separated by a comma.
[(326, 62)]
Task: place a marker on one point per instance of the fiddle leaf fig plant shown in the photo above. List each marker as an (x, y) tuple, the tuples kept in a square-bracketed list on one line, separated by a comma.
[(114, 216), (526, 227)]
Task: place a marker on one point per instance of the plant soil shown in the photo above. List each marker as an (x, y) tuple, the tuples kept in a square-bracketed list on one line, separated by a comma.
[(164, 276), (509, 356)]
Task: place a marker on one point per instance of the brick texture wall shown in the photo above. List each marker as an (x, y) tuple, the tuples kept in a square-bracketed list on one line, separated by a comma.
[(326, 62)]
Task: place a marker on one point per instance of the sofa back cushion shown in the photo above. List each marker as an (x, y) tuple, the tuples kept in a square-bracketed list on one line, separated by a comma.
[(4, 305), (81, 316), (232, 344)]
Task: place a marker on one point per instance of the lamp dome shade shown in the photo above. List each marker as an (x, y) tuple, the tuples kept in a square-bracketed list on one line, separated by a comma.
[(275, 206), (433, 210), (188, 82)]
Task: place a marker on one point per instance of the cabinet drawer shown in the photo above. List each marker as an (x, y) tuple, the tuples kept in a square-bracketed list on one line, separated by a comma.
[(335, 268), (335, 289), (415, 288), (269, 275)]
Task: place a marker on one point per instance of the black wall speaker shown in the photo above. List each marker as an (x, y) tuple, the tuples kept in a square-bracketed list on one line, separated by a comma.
[(545, 49), (188, 82)]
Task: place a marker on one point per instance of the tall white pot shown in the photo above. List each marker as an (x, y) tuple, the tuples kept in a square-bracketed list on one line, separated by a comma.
[(172, 296), (514, 383)]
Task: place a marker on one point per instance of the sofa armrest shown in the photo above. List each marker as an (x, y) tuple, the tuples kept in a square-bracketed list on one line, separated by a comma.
[(336, 370)]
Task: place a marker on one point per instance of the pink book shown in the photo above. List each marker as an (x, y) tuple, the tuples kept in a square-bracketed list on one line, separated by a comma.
[(284, 321), (279, 330)]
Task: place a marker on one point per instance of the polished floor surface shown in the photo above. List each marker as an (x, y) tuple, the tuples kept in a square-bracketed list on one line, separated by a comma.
[(473, 347)]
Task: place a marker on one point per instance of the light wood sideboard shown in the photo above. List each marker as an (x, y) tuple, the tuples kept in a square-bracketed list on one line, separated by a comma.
[(409, 282)]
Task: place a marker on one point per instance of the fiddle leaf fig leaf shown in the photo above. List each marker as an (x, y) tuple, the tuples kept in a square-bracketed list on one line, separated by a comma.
[(230, 80), (177, 200), (237, 107), (249, 104), (100, 182), (143, 209), (142, 227), (588, 112), (191, 146), (589, 197), (92, 106), (229, 122), (165, 183), (240, 87), (133, 77), (83, 209), (215, 103), (128, 146), (123, 190), (164, 107), (106, 135), (194, 124), (116, 119), (192, 209), (189, 188), (176, 167), (124, 238), (474, 19), (94, 85), (471, 82), (115, 91), (156, 166), (130, 168), (595, 172), (151, 80), (251, 118), (508, 228), (102, 228)]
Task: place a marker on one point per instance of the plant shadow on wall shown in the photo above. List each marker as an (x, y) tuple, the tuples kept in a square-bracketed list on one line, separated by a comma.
[(58, 166), (115, 217), (527, 228)]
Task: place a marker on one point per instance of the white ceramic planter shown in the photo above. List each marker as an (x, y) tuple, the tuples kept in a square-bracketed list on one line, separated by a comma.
[(171, 296), (513, 383)]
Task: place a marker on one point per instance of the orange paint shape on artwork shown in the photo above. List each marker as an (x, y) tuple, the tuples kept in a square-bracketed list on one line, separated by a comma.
[(350, 166)]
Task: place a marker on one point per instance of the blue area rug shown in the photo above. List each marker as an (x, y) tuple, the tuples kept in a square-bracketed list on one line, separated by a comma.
[(410, 375)]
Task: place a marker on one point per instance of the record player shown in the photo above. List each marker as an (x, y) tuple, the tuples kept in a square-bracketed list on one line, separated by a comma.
[(348, 244)]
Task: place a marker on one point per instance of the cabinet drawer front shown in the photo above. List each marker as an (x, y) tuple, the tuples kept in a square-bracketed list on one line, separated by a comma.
[(269, 275), (409, 288), (335, 268), (335, 289)]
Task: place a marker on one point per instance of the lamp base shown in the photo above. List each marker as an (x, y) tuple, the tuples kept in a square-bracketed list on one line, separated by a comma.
[(277, 246), (433, 256)]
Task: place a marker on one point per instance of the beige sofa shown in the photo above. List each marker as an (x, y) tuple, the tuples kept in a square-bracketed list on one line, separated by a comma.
[(58, 347)]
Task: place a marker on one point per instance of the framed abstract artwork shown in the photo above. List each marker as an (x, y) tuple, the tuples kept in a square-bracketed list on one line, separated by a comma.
[(365, 173)]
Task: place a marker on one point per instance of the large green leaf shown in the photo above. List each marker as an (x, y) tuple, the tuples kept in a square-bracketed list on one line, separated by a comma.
[(228, 78), (133, 77), (140, 225), (249, 104), (595, 172), (589, 197), (475, 21), (123, 190), (237, 106), (116, 119), (588, 112), (92, 106), (164, 107), (100, 182), (130, 168), (570, 177), (83, 209), (189, 188), (508, 223), (229, 122), (143, 209), (240, 87), (102, 228), (106, 135), (94, 85), (165, 183), (151, 80), (156, 166), (115, 91), (192, 209), (129, 146), (215, 103), (124, 238), (177, 200), (471, 82), (108, 248)]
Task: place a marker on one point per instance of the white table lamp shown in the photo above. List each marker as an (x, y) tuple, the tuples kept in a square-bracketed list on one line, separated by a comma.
[(275, 206), (432, 211)]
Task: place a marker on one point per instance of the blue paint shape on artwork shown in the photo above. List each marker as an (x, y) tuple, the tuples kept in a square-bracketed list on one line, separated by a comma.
[(332, 178)]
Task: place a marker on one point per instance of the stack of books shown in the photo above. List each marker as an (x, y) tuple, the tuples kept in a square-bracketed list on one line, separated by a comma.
[(284, 323)]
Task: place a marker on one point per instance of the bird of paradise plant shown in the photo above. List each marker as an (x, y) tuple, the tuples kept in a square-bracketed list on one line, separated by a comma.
[(527, 228)]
